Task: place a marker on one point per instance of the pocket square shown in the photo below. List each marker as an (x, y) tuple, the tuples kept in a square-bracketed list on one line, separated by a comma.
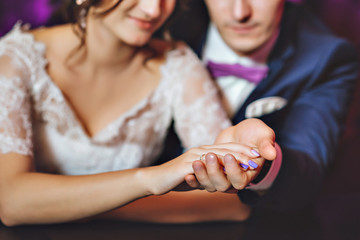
[(265, 106)]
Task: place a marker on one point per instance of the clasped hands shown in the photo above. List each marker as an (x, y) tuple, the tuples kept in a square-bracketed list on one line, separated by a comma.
[(231, 173)]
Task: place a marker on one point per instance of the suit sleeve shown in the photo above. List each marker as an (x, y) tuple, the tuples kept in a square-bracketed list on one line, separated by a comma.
[(309, 134)]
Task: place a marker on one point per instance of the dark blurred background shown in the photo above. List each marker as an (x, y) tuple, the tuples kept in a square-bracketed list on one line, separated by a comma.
[(338, 208)]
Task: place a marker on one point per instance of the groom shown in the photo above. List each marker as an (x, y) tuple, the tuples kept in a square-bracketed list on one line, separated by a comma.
[(274, 61)]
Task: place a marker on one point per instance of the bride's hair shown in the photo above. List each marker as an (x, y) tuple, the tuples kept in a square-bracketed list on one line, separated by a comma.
[(76, 12)]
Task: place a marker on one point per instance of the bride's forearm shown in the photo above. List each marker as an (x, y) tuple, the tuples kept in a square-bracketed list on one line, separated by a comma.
[(31, 198), (36, 198)]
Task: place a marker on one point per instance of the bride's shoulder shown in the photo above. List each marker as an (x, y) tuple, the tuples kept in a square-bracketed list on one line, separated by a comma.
[(59, 40), (54, 36), (163, 47)]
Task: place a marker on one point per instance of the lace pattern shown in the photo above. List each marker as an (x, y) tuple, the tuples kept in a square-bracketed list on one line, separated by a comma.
[(198, 114), (15, 125)]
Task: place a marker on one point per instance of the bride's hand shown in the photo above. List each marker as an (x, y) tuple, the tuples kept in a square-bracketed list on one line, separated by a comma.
[(164, 178)]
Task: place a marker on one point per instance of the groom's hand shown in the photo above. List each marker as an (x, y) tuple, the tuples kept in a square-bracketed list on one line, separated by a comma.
[(254, 133), (210, 175)]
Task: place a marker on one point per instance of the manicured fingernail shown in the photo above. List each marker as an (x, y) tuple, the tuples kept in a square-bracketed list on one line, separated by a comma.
[(255, 153), (252, 164), (244, 166)]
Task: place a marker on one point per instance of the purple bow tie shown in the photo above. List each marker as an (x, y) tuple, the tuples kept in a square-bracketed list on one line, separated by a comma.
[(252, 74)]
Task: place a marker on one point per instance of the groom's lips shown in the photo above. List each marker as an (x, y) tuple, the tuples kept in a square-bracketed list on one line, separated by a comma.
[(243, 29)]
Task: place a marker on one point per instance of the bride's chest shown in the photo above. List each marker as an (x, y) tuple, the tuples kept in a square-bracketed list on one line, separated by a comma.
[(150, 115)]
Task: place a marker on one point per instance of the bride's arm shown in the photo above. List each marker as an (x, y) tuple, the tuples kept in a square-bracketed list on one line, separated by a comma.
[(27, 197)]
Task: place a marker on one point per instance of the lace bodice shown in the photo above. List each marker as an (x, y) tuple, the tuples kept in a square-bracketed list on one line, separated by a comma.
[(36, 120)]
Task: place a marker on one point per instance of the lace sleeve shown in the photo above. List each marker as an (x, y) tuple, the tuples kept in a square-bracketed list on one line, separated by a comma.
[(15, 113), (198, 113)]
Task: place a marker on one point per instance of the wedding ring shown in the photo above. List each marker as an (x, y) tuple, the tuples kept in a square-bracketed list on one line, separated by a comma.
[(202, 157)]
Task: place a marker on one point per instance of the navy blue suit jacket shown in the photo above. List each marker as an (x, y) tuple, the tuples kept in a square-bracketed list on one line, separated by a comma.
[(316, 72)]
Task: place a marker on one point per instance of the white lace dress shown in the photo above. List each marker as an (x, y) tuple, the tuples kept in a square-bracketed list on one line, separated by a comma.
[(37, 121)]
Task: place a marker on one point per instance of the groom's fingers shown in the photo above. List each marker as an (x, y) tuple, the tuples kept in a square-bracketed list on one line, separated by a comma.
[(216, 173), (267, 149), (235, 174), (202, 176), (267, 144), (192, 181)]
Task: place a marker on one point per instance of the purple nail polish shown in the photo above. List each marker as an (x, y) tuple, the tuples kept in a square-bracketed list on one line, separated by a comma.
[(244, 166), (255, 153), (252, 164)]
